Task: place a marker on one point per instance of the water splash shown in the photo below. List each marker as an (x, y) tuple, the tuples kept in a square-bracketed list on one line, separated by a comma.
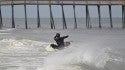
[(79, 57), (82, 58), (19, 46), (76, 59)]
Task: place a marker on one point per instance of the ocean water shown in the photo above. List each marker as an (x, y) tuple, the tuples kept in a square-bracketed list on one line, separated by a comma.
[(45, 22), (90, 49)]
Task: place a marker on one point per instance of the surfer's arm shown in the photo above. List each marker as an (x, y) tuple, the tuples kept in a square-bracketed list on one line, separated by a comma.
[(65, 36), (57, 38)]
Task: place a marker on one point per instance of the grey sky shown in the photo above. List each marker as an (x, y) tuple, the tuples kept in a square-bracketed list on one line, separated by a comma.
[(57, 13)]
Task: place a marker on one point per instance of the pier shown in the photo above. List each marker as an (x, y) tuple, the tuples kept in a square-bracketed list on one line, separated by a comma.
[(61, 3)]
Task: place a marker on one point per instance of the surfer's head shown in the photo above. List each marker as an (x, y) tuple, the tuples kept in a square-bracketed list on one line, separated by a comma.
[(57, 34)]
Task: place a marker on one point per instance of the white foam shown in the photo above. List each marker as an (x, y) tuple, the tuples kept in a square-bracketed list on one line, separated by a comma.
[(20, 46), (90, 50)]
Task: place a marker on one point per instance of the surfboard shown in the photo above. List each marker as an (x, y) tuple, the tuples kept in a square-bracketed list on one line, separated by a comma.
[(50, 49)]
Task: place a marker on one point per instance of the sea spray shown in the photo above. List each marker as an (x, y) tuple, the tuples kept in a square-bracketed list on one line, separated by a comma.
[(13, 44), (77, 58), (74, 57), (21, 54)]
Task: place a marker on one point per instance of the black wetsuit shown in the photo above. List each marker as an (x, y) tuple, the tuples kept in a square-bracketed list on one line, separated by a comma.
[(60, 40)]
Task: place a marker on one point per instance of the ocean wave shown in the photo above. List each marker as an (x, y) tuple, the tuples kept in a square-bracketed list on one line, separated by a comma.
[(21, 46), (83, 58), (79, 57)]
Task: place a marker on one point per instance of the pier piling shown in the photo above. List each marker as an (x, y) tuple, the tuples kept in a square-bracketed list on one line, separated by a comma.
[(99, 15), (62, 3), (38, 16), (63, 18), (88, 23), (25, 13), (52, 25), (1, 23), (123, 16), (13, 22), (75, 22), (110, 15)]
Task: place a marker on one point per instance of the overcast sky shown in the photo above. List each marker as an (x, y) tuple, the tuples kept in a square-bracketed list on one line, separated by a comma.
[(57, 13)]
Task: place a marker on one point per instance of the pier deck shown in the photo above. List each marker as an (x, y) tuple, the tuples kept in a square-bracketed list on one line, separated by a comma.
[(64, 2)]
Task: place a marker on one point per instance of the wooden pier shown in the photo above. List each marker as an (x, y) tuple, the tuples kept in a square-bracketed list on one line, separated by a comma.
[(73, 3)]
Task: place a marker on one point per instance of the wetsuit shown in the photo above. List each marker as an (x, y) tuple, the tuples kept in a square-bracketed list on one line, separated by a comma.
[(60, 40)]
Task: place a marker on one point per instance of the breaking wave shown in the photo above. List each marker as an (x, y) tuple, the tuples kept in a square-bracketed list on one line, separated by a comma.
[(80, 57), (83, 58), (19, 46)]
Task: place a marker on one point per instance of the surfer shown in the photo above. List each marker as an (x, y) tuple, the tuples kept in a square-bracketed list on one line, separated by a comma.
[(59, 40)]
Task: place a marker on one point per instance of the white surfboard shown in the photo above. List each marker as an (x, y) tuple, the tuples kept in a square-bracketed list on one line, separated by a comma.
[(50, 49)]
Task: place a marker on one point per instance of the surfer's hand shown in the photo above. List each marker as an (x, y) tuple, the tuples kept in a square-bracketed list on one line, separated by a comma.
[(67, 35)]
